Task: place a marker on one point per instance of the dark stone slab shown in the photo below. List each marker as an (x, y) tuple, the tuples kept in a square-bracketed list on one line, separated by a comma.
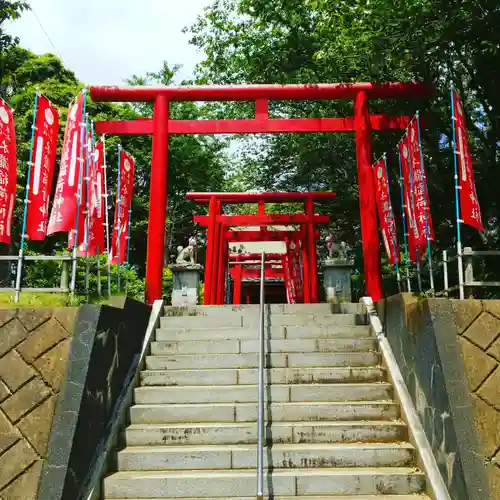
[(107, 341), (67, 410)]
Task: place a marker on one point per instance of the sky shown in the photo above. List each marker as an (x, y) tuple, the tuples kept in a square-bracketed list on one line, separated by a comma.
[(106, 41)]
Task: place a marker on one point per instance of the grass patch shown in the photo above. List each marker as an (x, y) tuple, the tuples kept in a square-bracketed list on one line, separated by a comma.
[(27, 299)]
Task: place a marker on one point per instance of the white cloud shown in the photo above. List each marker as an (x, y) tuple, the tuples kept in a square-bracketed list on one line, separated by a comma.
[(106, 41)]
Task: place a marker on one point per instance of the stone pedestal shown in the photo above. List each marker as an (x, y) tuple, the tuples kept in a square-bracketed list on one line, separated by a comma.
[(186, 284), (337, 279)]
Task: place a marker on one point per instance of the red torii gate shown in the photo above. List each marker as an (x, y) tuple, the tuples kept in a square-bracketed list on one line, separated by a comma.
[(161, 126), (216, 222), (273, 268)]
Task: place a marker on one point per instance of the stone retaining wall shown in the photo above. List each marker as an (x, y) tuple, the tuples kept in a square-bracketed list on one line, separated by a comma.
[(478, 327), (34, 346), (449, 354)]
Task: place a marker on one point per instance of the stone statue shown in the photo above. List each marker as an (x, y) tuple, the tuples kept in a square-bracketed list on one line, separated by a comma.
[(188, 254), (336, 250)]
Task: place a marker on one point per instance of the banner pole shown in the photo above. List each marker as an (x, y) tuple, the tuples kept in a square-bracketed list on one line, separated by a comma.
[(106, 209), (78, 196), (92, 192), (419, 273), (99, 289), (395, 242), (20, 259), (405, 234), (426, 208), (87, 206), (457, 203), (118, 221), (128, 246)]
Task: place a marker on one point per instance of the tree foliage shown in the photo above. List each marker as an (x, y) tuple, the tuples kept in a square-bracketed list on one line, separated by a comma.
[(195, 162), (310, 41)]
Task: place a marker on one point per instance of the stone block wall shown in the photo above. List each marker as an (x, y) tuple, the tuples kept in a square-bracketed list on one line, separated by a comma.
[(34, 347), (478, 328), (449, 355), (104, 357)]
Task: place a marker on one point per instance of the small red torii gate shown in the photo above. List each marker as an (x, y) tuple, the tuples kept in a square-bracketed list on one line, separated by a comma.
[(217, 223), (161, 126), (273, 268)]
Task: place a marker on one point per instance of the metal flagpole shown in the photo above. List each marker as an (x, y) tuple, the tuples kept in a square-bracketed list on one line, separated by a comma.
[(19, 270), (79, 194), (395, 243), (405, 234), (88, 156), (457, 203), (426, 208), (128, 246), (419, 274), (117, 209), (106, 209), (94, 172), (99, 288)]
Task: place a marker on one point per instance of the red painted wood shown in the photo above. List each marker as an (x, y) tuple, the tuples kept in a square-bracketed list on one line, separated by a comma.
[(313, 258), (259, 125), (271, 197), (257, 220), (289, 92), (212, 213), (367, 202), (158, 203), (266, 235)]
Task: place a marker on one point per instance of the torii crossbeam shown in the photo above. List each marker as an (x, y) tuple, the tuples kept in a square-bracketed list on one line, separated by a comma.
[(160, 126)]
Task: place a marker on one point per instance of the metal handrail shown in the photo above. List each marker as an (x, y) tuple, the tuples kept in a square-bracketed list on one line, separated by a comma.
[(260, 411)]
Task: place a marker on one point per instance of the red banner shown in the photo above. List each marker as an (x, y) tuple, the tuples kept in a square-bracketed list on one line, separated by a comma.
[(470, 211), (83, 190), (421, 202), (8, 171), (42, 170), (64, 206), (123, 202), (294, 275), (411, 226), (385, 213), (97, 202)]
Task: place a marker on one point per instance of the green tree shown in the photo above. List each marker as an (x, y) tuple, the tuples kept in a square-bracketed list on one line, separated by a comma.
[(291, 41), (10, 10), (195, 162)]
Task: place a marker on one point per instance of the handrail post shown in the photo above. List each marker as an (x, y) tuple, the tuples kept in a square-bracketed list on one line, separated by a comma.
[(469, 272), (445, 272), (260, 413)]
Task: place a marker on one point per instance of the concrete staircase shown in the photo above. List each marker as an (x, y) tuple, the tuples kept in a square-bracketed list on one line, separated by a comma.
[(333, 427)]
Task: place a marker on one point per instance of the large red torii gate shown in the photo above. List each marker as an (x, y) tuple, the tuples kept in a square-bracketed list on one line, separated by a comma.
[(161, 126)]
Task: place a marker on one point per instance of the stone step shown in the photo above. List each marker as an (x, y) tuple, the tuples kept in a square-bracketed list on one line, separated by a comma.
[(275, 412), (250, 360), (279, 456), (299, 497), (228, 376), (251, 320), (275, 393), (272, 346), (178, 334), (235, 484), (279, 432), (322, 308)]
